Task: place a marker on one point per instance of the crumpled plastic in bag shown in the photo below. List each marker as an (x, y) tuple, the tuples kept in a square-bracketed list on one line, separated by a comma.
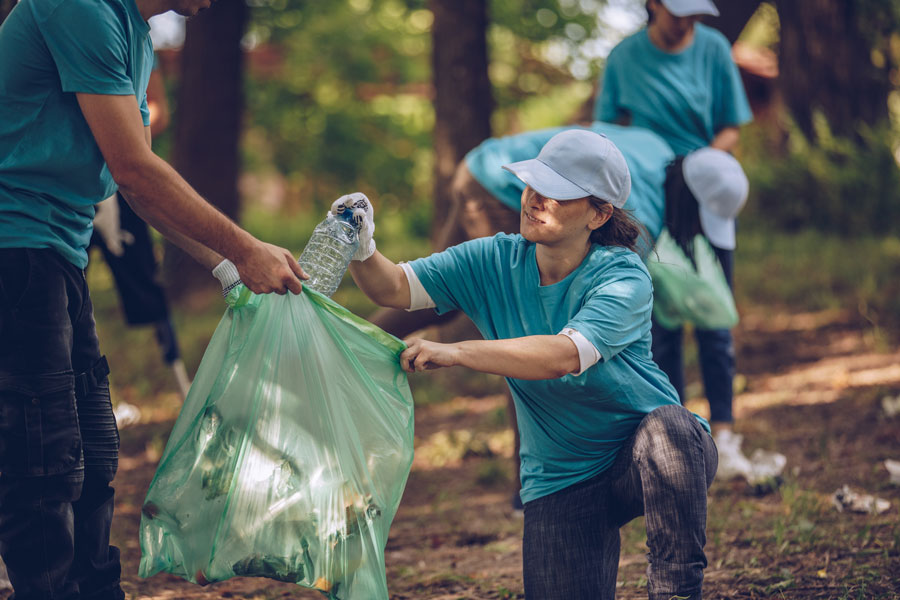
[(291, 452)]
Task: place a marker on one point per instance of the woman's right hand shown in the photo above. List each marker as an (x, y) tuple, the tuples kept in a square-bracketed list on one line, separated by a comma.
[(364, 216), (424, 355)]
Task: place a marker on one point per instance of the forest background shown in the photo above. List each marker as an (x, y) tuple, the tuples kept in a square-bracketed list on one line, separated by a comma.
[(281, 106)]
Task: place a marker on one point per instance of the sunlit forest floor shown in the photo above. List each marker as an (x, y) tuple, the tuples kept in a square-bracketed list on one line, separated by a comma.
[(812, 390)]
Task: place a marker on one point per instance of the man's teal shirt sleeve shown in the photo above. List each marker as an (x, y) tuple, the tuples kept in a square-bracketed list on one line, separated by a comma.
[(90, 54)]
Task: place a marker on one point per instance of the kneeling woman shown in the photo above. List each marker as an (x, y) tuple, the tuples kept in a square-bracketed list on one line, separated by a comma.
[(565, 312)]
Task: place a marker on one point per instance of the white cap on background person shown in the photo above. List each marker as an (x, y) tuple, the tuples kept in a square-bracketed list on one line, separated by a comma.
[(689, 8), (719, 184), (577, 163)]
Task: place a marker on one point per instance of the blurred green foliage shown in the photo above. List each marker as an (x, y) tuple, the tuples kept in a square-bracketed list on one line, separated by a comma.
[(340, 98), (832, 184), (811, 271)]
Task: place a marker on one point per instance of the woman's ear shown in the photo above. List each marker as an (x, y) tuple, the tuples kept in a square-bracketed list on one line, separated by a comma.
[(602, 214)]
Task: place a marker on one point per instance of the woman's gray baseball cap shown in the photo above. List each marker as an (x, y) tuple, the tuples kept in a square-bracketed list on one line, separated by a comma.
[(574, 164)]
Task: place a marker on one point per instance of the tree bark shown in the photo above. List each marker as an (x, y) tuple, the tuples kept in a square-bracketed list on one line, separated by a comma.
[(463, 101), (733, 17), (208, 124), (825, 63)]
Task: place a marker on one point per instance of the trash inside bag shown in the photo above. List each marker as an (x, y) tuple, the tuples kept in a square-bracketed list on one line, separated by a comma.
[(682, 291), (290, 455)]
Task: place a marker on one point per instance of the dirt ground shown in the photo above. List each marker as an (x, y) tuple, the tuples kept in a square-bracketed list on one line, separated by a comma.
[(811, 386)]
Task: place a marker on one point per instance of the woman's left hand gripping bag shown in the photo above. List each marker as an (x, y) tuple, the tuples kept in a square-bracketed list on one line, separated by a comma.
[(290, 455)]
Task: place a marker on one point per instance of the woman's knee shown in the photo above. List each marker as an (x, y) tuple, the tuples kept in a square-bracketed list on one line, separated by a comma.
[(672, 432), (670, 425)]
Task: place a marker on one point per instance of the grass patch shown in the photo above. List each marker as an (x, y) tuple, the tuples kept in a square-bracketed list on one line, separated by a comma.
[(812, 271)]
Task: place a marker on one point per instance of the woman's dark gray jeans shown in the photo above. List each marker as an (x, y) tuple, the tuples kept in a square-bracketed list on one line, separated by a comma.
[(571, 545)]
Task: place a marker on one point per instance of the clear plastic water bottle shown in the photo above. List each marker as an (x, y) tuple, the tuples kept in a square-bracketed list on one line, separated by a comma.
[(328, 252)]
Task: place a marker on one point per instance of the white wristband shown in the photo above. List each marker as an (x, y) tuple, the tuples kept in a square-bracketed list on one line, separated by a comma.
[(227, 274), (588, 355)]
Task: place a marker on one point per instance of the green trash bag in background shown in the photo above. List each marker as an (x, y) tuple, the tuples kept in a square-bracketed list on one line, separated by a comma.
[(682, 293), (291, 452)]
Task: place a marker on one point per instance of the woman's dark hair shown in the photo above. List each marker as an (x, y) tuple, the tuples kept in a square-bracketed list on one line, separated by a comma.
[(682, 210), (649, 12), (620, 230)]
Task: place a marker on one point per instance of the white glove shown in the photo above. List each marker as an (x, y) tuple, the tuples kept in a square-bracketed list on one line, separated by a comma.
[(363, 215), (106, 222)]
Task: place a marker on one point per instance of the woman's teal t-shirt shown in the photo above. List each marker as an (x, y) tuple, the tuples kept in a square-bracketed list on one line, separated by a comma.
[(571, 428), (51, 170)]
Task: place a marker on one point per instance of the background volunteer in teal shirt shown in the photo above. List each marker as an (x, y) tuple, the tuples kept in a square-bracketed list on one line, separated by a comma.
[(677, 78), (565, 312), (688, 96), (73, 127)]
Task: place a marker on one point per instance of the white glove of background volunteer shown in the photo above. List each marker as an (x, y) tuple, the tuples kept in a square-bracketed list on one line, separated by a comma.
[(108, 226), (364, 217)]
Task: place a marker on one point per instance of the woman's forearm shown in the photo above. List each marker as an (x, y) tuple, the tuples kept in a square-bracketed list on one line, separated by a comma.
[(531, 357), (382, 281)]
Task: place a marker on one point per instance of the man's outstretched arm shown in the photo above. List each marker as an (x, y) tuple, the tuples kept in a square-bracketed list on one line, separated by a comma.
[(167, 202)]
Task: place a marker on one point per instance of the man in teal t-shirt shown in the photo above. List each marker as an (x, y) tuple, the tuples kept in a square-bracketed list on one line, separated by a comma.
[(73, 128), (53, 171)]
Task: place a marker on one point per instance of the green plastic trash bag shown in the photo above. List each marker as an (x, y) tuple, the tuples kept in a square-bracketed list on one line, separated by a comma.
[(683, 293), (290, 455)]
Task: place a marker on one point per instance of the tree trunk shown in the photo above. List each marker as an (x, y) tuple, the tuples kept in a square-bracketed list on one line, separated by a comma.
[(825, 63), (462, 102), (733, 17), (208, 124)]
